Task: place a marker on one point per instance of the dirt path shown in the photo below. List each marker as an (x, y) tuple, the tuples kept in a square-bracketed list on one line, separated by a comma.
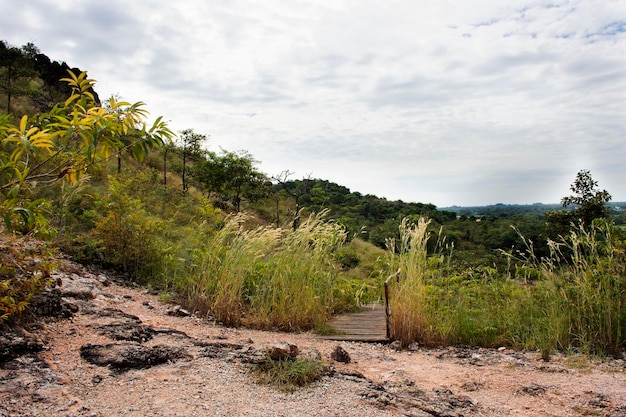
[(190, 367)]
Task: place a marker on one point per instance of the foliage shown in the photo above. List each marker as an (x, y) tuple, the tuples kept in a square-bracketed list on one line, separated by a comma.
[(589, 202), (583, 290), (130, 236), (362, 273), (372, 218), (409, 294), (573, 299), (233, 177), (25, 268), (63, 144), (16, 73), (30, 80), (191, 150)]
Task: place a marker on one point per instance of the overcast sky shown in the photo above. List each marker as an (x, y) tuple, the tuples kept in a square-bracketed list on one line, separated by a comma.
[(444, 102)]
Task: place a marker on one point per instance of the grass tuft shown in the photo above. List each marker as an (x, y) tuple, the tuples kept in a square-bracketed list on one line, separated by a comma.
[(289, 375)]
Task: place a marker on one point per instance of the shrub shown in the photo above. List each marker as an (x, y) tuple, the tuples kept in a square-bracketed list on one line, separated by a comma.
[(584, 292), (25, 267), (130, 236)]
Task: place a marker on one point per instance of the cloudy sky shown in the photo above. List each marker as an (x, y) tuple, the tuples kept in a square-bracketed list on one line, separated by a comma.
[(447, 102)]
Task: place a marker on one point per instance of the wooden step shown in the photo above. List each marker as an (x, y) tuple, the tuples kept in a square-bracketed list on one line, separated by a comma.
[(367, 325)]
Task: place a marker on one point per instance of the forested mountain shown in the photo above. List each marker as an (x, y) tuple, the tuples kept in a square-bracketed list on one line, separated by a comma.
[(30, 81)]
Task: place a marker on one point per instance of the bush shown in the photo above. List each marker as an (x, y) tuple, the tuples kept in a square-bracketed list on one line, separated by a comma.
[(25, 267), (130, 236)]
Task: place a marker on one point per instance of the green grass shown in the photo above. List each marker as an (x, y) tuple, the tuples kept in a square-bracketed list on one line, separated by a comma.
[(289, 375)]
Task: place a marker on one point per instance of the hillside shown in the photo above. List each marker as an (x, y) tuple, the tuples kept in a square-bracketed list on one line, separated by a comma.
[(211, 232)]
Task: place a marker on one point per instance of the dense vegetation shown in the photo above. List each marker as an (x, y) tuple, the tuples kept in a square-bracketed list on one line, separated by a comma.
[(213, 232)]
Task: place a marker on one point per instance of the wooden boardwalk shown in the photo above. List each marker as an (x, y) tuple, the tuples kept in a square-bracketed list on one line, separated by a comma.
[(367, 325)]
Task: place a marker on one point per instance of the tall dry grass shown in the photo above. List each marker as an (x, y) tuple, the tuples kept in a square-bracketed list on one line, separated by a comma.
[(268, 277), (582, 288), (409, 293), (574, 299)]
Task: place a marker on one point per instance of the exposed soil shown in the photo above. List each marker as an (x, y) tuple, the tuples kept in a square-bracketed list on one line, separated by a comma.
[(121, 352)]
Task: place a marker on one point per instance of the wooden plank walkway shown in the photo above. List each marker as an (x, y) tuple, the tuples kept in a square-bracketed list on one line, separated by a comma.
[(368, 325)]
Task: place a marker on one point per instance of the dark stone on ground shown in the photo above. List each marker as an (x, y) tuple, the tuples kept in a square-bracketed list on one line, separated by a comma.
[(112, 312), (125, 356), (51, 304), (415, 402), (78, 294), (283, 351), (13, 345), (340, 355), (533, 390), (127, 330), (482, 356)]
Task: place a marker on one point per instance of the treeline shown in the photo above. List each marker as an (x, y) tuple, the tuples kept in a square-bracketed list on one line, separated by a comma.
[(476, 235)]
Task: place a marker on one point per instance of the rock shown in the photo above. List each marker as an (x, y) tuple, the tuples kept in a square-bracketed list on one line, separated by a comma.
[(414, 347), (104, 280), (178, 311), (13, 345), (218, 349), (532, 389), (313, 355), (416, 402), (396, 345), (340, 355), (50, 303), (129, 330), (125, 356), (283, 351), (79, 294)]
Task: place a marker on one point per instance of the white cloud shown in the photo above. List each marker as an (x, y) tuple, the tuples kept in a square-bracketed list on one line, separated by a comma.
[(448, 102)]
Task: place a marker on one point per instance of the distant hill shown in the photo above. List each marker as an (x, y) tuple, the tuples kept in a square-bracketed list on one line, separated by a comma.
[(507, 210), (30, 81)]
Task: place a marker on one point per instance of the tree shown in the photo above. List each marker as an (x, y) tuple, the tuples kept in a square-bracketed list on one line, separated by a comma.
[(165, 149), (191, 143), (16, 72), (62, 144), (210, 174), (297, 190), (242, 179), (589, 204)]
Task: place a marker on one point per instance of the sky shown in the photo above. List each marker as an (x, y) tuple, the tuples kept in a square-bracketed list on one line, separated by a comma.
[(449, 102)]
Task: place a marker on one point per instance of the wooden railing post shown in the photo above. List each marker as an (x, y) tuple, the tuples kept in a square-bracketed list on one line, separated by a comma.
[(387, 307)]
